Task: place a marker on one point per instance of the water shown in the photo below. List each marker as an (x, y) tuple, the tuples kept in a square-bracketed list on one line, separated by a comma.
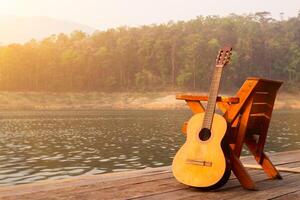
[(59, 144)]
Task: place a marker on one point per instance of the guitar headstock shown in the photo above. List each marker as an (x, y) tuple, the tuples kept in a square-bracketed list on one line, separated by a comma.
[(223, 56)]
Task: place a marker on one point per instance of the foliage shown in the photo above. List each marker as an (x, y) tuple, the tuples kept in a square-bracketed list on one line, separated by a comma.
[(156, 57)]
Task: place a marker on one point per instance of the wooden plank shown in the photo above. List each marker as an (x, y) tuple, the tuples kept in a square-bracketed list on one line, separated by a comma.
[(85, 180), (195, 106), (277, 158), (129, 190), (157, 183), (223, 106), (238, 193), (272, 188), (265, 80), (289, 196), (142, 189), (231, 100), (194, 192), (103, 180), (269, 86), (240, 172), (103, 187), (242, 129), (281, 169), (222, 193), (255, 122), (263, 159), (243, 94), (263, 108), (263, 97)]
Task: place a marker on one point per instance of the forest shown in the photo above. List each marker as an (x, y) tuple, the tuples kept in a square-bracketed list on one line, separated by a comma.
[(160, 57)]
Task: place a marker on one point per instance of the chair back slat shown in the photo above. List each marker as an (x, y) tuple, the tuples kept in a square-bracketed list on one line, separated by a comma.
[(258, 96), (262, 108), (256, 123), (263, 97)]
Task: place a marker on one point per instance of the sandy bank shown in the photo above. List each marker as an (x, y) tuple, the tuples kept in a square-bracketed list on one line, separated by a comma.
[(94, 100)]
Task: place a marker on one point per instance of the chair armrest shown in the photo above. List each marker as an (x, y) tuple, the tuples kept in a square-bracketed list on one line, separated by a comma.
[(186, 97)]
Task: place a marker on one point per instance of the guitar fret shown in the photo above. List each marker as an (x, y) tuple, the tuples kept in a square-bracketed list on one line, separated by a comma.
[(213, 93)]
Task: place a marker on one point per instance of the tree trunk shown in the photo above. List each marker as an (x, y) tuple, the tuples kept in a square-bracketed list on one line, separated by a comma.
[(173, 64), (194, 72)]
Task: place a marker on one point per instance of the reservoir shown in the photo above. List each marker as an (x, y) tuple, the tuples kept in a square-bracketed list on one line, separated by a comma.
[(40, 145)]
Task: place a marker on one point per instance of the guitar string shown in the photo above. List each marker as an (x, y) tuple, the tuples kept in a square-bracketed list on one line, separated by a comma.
[(212, 99)]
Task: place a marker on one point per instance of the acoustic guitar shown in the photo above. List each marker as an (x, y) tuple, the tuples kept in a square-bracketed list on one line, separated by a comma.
[(202, 160)]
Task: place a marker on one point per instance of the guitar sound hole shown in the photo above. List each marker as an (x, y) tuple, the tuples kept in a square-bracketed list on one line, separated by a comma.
[(204, 134)]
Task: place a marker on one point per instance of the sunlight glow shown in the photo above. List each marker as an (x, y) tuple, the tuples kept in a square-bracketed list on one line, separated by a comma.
[(102, 14)]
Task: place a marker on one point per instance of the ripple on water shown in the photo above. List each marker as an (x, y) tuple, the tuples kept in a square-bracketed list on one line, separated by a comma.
[(61, 144)]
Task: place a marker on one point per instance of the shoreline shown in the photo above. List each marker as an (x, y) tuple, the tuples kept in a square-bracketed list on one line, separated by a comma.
[(42, 101)]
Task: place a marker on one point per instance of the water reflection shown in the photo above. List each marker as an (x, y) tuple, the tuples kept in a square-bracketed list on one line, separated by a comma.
[(59, 144)]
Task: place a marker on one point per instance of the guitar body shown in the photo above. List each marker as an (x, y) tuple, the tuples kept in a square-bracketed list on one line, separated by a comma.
[(201, 163)]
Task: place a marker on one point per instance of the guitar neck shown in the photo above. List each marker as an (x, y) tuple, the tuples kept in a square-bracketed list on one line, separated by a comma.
[(212, 99)]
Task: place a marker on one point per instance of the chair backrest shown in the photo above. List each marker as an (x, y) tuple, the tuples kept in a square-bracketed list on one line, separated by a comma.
[(260, 92), (263, 99), (253, 113)]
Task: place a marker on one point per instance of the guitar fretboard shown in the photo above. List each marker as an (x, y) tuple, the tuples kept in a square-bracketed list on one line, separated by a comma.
[(212, 99)]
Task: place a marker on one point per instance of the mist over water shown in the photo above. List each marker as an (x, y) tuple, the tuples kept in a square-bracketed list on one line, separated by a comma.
[(39, 145)]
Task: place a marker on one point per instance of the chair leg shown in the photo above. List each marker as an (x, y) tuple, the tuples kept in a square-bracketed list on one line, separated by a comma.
[(241, 173), (242, 129), (264, 161)]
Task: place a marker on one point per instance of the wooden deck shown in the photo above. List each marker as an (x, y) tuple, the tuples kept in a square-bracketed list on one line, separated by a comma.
[(158, 183)]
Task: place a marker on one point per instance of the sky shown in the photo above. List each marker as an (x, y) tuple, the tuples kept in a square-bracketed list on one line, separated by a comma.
[(103, 14)]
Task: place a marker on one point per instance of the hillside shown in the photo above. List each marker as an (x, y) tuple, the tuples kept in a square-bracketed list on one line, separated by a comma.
[(160, 57), (22, 29)]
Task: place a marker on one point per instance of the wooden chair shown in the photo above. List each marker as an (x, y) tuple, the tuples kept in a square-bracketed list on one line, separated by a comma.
[(248, 115)]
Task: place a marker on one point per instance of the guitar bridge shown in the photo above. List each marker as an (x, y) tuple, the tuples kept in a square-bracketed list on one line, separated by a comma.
[(199, 162)]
